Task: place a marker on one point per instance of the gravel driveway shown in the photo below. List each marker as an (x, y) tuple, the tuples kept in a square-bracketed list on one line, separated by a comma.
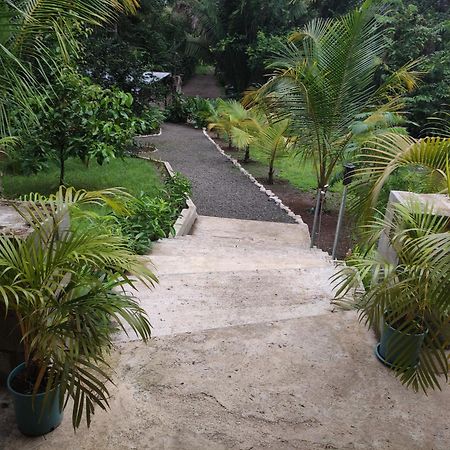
[(219, 188)]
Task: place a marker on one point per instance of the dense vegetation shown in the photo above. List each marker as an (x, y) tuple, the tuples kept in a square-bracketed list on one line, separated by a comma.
[(326, 88)]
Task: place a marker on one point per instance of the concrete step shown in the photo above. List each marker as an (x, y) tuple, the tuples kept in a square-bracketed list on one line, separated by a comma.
[(244, 261), (193, 302), (253, 230), (201, 246)]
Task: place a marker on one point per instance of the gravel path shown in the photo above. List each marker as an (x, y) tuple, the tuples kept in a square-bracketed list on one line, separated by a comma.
[(219, 188)]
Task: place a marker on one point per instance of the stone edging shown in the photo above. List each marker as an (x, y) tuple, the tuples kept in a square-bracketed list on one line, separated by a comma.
[(150, 135), (268, 192), (188, 215)]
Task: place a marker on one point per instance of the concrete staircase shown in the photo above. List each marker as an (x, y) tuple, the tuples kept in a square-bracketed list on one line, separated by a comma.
[(232, 272)]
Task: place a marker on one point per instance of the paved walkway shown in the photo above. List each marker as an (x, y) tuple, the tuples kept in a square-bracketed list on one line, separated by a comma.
[(219, 188), (247, 354)]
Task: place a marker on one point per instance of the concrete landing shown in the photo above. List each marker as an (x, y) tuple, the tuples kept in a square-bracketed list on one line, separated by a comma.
[(248, 353)]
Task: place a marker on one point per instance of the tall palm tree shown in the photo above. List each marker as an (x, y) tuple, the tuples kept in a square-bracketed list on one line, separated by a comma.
[(29, 31), (324, 79)]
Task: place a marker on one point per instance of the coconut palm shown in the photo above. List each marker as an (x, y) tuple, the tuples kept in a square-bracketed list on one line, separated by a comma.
[(324, 79), (67, 286), (411, 293), (29, 32)]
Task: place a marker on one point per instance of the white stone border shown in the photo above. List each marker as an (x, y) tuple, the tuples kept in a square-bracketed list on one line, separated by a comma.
[(188, 215), (262, 188), (149, 135)]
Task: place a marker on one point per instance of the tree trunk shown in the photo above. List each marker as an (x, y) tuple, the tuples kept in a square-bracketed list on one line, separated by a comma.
[(247, 154), (61, 168), (270, 177)]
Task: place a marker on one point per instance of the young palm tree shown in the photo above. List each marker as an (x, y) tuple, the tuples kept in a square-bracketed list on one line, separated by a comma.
[(412, 293), (28, 32), (231, 115), (273, 141), (325, 79), (66, 286)]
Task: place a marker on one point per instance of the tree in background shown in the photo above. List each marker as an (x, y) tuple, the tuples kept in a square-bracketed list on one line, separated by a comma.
[(29, 33), (421, 29), (325, 80), (151, 40), (224, 30), (81, 120)]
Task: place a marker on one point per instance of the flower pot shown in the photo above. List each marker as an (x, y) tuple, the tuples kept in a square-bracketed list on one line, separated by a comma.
[(399, 349), (34, 419)]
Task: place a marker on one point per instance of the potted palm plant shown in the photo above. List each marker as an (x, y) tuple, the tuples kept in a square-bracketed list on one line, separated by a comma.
[(66, 286), (409, 296)]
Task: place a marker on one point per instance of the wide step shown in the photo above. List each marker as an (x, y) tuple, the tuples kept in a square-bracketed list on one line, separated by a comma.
[(206, 226)]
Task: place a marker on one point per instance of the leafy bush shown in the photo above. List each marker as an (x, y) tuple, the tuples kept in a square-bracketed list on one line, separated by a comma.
[(81, 120), (194, 110), (152, 218), (150, 120)]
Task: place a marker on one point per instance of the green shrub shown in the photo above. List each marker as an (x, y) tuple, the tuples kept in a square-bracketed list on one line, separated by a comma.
[(152, 218), (150, 120), (194, 110), (82, 120)]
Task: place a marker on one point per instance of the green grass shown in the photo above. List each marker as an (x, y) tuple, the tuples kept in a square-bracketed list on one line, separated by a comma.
[(135, 175), (298, 172), (203, 69)]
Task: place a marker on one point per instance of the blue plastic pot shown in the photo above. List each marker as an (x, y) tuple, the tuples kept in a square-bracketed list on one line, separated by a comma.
[(31, 418), (399, 349)]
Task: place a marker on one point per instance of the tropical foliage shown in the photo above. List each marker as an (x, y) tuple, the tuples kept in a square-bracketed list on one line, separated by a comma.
[(148, 218), (385, 156), (66, 287), (410, 293), (81, 120), (324, 83), (30, 33)]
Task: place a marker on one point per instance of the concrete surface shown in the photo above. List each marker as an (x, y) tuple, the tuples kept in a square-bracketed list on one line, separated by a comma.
[(11, 222), (249, 356)]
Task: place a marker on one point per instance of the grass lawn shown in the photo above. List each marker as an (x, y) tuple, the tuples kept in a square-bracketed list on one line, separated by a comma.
[(135, 175), (298, 172)]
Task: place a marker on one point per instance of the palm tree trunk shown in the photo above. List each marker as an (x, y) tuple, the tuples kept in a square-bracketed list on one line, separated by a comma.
[(247, 154), (320, 199), (62, 168), (270, 177)]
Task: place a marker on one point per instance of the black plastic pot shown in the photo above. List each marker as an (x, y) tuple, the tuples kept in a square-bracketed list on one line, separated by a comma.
[(398, 349), (33, 418)]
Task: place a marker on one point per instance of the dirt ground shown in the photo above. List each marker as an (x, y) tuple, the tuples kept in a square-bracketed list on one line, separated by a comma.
[(205, 86), (302, 203)]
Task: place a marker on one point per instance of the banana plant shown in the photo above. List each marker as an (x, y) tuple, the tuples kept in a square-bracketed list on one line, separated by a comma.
[(67, 286)]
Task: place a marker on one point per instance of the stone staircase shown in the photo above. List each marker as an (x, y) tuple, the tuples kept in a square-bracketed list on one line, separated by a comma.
[(232, 272)]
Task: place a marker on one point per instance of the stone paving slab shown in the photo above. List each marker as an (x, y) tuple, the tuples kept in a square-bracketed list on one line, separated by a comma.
[(308, 383)]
